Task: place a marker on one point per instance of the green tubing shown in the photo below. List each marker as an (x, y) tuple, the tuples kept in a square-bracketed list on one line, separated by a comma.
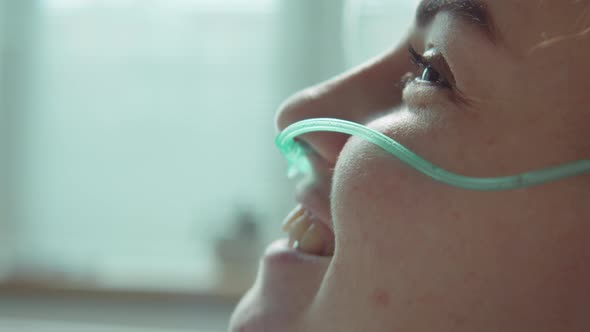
[(295, 154)]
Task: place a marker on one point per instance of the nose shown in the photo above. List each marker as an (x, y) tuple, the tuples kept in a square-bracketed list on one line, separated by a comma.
[(358, 96)]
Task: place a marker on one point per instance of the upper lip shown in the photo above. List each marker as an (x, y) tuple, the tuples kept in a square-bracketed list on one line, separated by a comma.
[(314, 196)]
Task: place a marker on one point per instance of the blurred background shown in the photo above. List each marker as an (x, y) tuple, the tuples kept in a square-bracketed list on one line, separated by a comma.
[(139, 181)]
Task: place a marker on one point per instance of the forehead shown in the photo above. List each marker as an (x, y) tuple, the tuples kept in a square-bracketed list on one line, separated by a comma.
[(522, 24)]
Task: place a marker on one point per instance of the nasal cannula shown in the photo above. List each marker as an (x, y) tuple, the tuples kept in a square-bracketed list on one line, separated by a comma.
[(296, 155)]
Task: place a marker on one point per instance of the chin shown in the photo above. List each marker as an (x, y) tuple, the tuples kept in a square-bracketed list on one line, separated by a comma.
[(255, 313), (286, 286)]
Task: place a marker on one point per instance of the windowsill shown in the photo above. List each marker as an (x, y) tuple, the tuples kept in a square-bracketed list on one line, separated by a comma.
[(104, 309), (88, 291), (8, 324)]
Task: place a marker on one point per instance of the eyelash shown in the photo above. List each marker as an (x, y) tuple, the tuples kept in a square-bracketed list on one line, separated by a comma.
[(423, 63)]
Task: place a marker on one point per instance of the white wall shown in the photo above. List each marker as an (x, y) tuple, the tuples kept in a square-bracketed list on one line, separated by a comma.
[(18, 25), (5, 247), (17, 22), (311, 47)]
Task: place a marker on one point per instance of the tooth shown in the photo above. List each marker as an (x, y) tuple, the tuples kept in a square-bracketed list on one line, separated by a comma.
[(292, 217), (312, 241), (298, 228)]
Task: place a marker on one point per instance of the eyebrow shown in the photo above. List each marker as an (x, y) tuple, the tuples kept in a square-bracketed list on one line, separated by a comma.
[(473, 12)]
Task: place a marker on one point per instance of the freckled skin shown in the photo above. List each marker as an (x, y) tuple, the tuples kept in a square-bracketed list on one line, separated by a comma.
[(365, 236), (413, 254), (380, 299)]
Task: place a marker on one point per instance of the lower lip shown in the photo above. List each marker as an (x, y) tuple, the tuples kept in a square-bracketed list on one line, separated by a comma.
[(279, 253)]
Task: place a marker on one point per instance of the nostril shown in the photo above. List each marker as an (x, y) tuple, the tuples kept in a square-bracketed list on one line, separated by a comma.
[(300, 106), (321, 101)]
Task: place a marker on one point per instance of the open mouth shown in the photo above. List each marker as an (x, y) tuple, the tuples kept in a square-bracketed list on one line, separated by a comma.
[(308, 233)]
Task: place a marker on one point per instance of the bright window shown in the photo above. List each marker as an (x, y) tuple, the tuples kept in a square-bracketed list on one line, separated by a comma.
[(138, 134), (149, 134)]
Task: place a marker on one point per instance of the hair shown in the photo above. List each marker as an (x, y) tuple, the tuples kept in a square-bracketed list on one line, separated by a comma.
[(582, 25)]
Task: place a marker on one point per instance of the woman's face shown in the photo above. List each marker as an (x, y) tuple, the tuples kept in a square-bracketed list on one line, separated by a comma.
[(412, 254)]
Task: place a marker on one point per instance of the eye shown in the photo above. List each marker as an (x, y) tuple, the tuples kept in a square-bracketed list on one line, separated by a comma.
[(430, 73)]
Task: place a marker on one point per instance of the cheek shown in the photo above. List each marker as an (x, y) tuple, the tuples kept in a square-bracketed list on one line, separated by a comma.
[(381, 206), (374, 193), (378, 203)]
